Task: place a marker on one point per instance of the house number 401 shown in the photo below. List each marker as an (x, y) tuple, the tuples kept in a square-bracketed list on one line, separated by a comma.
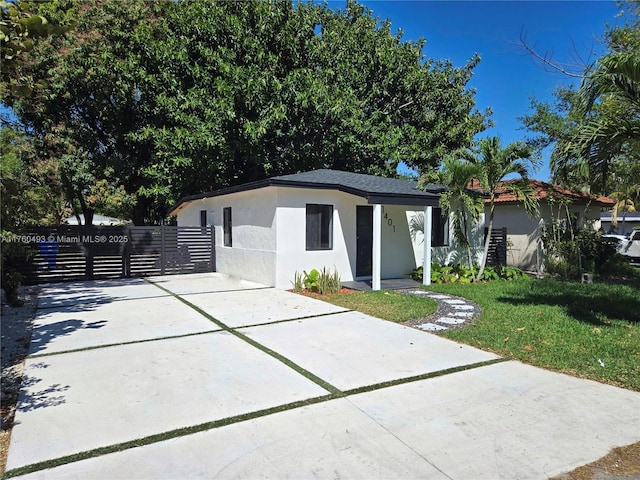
[(389, 220)]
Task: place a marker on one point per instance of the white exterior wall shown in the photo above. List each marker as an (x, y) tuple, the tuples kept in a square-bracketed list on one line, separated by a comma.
[(252, 255), (453, 253), (269, 234), (291, 236), (397, 253), (523, 232), (398, 258)]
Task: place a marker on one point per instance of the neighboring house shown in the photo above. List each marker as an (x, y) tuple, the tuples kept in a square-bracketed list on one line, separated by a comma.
[(97, 220), (266, 231), (523, 233), (626, 223)]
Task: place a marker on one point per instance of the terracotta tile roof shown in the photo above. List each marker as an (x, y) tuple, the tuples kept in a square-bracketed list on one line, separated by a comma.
[(543, 190)]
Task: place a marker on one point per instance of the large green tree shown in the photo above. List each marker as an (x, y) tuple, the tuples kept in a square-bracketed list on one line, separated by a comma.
[(596, 128), (163, 98), (19, 29), (30, 187)]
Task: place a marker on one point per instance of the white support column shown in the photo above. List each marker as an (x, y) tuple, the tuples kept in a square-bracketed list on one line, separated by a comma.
[(426, 262), (377, 247)]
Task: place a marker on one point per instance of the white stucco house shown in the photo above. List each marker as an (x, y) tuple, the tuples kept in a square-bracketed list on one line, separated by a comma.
[(266, 231), (523, 232)]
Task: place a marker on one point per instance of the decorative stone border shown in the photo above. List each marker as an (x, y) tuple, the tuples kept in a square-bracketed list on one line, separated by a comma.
[(452, 312)]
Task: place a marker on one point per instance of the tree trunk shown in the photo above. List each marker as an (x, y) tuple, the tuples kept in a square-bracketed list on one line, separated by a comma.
[(487, 241), (467, 234), (86, 211)]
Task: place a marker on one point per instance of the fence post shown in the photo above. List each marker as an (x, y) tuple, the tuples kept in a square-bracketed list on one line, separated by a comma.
[(213, 248), (162, 251), (126, 253), (88, 255)]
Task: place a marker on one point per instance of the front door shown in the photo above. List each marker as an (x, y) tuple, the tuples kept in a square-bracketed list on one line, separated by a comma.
[(364, 240)]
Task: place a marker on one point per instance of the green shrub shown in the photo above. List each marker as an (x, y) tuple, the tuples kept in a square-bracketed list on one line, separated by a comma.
[(311, 280), (584, 251), (416, 274), (13, 257), (298, 282), (441, 274), (329, 282), (489, 274), (510, 273), (322, 282)]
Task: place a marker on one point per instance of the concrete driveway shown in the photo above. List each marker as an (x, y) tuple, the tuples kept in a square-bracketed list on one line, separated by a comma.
[(206, 376)]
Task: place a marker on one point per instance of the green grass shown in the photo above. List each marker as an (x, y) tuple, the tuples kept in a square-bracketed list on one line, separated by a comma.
[(565, 326), (569, 327), (387, 305)]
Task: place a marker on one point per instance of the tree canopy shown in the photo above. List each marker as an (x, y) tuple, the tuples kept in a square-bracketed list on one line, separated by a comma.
[(147, 101), (595, 129)]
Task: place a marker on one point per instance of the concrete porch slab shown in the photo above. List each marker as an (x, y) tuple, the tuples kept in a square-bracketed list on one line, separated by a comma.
[(84, 400), (203, 283), (243, 308), (351, 350), (388, 284), (56, 295), (328, 440), (91, 325), (506, 420)]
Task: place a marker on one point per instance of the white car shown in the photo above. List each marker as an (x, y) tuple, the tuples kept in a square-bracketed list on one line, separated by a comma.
[(630, 247)]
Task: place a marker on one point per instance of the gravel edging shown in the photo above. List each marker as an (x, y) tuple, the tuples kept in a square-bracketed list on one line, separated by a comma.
[(444, 309), (16, 326)]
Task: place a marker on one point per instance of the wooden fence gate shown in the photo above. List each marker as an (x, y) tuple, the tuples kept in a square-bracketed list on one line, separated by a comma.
[(64, 253)]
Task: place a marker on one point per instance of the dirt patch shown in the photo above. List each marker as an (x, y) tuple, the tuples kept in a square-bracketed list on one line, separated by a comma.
[(343, 291), (620, 463), (16, 324)]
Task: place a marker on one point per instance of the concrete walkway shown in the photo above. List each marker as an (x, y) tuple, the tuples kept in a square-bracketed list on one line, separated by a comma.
[(205, 376)]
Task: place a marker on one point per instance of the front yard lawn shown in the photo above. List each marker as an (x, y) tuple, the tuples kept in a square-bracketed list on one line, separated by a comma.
[(586, 330), (388, 305)]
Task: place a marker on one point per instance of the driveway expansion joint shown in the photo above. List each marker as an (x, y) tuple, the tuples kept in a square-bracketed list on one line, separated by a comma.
[(189, 430), (289, 363)]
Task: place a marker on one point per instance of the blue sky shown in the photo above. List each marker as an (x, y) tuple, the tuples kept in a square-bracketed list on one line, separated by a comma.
[(506, 77)]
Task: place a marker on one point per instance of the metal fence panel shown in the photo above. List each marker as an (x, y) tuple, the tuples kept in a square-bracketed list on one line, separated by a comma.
[(64, 253)]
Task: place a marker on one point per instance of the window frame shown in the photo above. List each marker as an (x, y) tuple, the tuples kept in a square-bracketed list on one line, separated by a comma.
[(324, 223), (227, 227), (439, 228)]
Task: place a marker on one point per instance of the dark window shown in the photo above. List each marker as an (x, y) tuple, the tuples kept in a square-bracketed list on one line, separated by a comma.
[(319, 227), (226, 226), (439, 228), (203, 218)]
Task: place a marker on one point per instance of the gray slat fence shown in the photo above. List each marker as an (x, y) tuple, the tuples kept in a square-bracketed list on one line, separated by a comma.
[(497, 246), (65, 253)]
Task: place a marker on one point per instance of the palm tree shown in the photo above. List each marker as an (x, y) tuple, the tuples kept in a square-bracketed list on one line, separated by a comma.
[(494, 164), (627, 190), (462, 204), (613, 88)]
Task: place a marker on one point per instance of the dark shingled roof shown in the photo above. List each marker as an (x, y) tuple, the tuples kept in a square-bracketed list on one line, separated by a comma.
[(389, 191)]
